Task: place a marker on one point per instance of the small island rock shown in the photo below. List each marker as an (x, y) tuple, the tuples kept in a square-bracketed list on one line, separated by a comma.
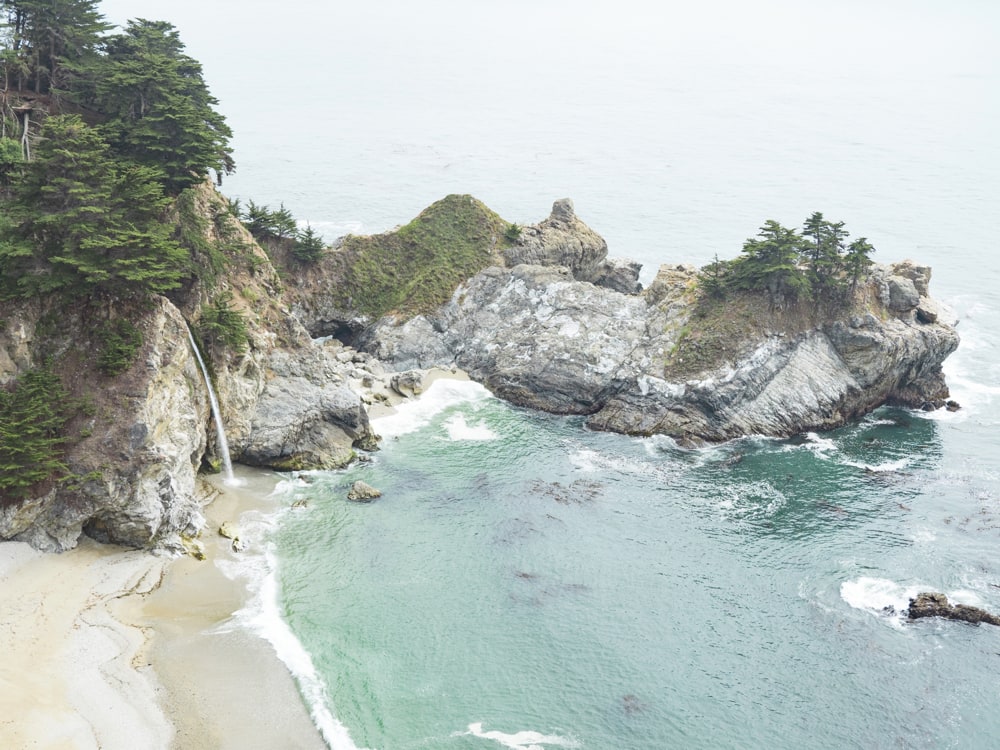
[(363, 492), (932, 604)]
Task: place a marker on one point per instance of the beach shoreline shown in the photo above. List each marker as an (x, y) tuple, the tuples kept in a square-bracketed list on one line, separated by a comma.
[(113, 648), (109, 646)]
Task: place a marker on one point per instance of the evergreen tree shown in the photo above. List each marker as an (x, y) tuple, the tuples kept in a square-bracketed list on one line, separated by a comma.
[(308, 245), (82, 223), (714, 277), (160, 111), (48, 39), (32, 416), (857, 261), (770, 262), (822, 249)]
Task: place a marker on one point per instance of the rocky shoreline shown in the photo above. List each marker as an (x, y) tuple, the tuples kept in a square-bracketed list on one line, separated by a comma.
[(548, 321)]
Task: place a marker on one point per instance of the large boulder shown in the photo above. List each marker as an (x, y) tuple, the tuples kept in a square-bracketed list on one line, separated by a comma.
[(306, 416)]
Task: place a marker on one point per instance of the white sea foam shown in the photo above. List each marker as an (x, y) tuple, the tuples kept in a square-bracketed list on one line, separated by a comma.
[(586, 460), (332, 230), (410, 416), (813, 442), (261, 615), (523, 740), (459, 429), (877, 595), (897, 465), (751, 500), (880, 596)]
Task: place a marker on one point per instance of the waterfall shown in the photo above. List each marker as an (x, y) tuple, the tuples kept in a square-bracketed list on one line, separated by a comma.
[(220, 433)]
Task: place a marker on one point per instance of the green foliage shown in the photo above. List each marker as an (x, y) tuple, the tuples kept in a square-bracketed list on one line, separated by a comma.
[(10, 160), (120, 342), (82, 223), (308, 245), (48, 40), (813, 265), (160, 112), (32, 417), (858, 260), (715, 278), (263, 223), (416, 268), (221, 326), (771, 262), (512, 233)]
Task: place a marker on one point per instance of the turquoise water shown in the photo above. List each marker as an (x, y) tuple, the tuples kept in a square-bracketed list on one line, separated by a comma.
[(541, 586), (523, 575)]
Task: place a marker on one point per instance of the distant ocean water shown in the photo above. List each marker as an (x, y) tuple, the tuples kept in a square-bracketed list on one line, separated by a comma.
[(525, 583)]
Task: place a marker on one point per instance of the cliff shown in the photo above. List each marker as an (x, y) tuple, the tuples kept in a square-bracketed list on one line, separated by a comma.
[(135, 439), (670, 361), (539, 314)]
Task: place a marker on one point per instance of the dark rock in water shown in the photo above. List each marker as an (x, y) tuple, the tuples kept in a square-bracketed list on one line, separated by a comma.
[(952, 406), (930, 604), (363, 492)]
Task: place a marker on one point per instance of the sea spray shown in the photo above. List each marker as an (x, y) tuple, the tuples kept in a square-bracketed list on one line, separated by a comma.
[(220, 432)]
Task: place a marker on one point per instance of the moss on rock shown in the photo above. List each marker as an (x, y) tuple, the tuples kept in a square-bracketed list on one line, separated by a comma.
[(415, 268)]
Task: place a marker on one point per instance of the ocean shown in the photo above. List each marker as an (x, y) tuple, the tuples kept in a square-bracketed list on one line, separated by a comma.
[(524, 583)]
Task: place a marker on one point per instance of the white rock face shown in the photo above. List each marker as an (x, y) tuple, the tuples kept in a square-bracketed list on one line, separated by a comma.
[(539, 338)]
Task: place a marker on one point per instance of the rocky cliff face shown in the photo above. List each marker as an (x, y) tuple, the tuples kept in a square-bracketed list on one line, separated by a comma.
[(133, 453), (137, 439), (543, 335), (544, 318)]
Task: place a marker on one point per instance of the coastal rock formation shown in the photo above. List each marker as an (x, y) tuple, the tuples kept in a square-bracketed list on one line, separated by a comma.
[(660, 363), (363, 492), (930, 604), (538, 313), (136, 439), (306, 416), (138, 447)]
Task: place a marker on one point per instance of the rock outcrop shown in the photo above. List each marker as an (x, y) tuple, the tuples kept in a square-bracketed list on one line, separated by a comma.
[(930, 604), (138, 447), (539, 314), (541, 334), (136, 439)]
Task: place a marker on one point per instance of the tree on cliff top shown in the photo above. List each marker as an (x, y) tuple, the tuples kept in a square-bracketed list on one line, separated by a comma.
[(82, 223), (160, 110), (47, 39), (770, 261)]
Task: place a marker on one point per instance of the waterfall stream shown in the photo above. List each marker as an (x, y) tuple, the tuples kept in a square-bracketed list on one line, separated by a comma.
[(220, 432)]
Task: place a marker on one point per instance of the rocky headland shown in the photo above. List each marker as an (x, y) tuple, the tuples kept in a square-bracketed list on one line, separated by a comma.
[(539, 314)]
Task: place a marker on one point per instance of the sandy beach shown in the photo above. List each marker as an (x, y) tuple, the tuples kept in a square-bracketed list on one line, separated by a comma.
[(112, 648), (108, 648)]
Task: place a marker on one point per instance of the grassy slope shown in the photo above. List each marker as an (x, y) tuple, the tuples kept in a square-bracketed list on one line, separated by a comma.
[(415, 268)]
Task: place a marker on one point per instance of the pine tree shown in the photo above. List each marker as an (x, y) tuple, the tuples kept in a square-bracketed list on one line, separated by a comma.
[(822, 250), (769, 262), (857, 261), (161, 113), (48, 39), (32, 416), (82, 223), (308, 245)]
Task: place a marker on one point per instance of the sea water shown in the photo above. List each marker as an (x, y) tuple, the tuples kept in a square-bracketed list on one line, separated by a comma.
[(526, 583)]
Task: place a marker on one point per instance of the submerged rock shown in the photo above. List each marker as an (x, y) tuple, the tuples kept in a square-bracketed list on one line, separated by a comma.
[(931, 604)]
